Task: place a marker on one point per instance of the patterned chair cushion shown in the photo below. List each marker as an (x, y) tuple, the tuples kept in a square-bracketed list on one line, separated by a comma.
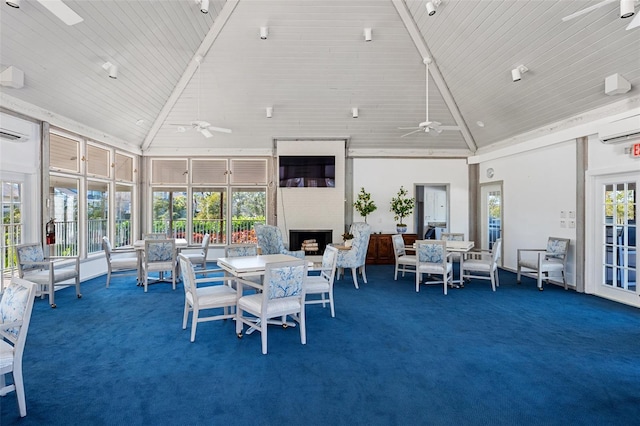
[(13, 305)]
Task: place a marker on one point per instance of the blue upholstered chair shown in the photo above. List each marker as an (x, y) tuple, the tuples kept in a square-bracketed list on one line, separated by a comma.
[(552, 259), (159, 256), (271, 242), (47, 272), (15, 315), (356, 257), (283, 293)]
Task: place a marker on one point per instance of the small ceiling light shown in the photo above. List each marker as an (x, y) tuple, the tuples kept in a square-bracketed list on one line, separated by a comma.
[(269, 112), (431, 7), (354, 112), (480, 123), (139, 122), (517, 72), (13, 3), (264, 33), (113, 69), (626, 8), (367, 34), (204, 5)]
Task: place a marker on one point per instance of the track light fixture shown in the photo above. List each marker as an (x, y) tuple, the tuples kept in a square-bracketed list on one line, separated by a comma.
[(13, 3), (354, 112), (627, 8), (431, 7), (516, 73), (367, 34), (204, 5), (113, 69), (264, 33), (269, 112)]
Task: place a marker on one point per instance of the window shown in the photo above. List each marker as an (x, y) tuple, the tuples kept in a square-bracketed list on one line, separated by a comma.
[(208, 184), (12, 228), (620, 230), (91, 194)]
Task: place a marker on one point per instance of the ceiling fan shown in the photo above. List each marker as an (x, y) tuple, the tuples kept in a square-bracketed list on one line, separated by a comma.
[(201, 126), (626, 11), (427, 126)]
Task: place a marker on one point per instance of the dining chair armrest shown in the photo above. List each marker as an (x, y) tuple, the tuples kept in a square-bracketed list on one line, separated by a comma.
[(242, 282), (208, 271), (477, 254), (124, 249), (213, 280), (37, 263), (520, 251)]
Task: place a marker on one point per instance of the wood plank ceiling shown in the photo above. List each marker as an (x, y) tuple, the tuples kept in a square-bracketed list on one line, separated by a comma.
[(314, 67)]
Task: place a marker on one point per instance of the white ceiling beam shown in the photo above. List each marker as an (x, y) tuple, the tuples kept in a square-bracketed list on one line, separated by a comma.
[(424, 51), (216, 28)]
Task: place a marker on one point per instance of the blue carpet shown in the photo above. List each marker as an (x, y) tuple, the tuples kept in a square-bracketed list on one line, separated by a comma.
[(391, 356)]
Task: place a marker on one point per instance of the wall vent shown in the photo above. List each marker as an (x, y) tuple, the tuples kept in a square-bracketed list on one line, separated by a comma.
[(624, 130)]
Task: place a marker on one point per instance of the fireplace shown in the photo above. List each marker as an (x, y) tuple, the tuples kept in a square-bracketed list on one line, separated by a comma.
[(300, 237)]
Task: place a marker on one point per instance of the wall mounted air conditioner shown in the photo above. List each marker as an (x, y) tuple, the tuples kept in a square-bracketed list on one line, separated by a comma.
[(623, 130), (13, 136)]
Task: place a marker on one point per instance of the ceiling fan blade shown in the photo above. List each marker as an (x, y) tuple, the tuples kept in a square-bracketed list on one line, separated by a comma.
[(205, 132), (62, 11), (635, 23), (219, 129), (449, 127), (410, 133), (587, 10), (409, 128)]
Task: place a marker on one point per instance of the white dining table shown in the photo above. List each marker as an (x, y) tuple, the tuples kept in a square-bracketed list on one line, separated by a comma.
[(181, 243)]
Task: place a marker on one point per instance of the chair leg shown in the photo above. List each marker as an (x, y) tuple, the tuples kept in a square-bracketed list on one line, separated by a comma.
[(108, 277), (194, 323), (303, 328), (333, 311), (518, 275), (185, 316), (52, 295), (564, 280), (355, 277), (78, 294), (418, 277), (263, 335), (395, 277), (19, 385), (493, 281), (363, 271), (540, 280)]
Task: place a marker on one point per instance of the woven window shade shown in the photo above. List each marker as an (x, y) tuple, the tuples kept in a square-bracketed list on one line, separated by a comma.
[(209, 172), (169, 171), (124, 167), (246, 172), (64, 153), (97, 161)]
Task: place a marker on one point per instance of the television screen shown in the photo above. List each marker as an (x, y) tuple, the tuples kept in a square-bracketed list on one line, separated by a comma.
[(307, 171)]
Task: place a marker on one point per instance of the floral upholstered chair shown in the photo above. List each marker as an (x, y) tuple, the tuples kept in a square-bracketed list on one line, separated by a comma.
[(283, 293), (159, 256), (553, 259), (271, 242), (240, 250), (15, 315), (47, 272), (356, 257), (433, 259)]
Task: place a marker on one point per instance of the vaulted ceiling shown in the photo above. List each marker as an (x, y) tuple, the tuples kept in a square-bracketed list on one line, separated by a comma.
[(313, 69)]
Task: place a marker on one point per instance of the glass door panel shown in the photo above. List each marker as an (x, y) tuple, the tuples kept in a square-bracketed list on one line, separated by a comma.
[(249, 206), (209, 214)]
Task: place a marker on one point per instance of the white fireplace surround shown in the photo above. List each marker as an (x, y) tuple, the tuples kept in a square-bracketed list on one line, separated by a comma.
[(312, 208)]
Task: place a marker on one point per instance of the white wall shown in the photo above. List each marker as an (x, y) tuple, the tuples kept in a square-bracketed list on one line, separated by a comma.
[(537, 186), (313, 208), (383, 177)]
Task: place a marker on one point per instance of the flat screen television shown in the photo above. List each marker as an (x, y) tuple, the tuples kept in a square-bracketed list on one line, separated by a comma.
[(311, 171)]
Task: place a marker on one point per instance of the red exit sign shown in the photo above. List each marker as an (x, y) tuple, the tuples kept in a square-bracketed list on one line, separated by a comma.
[(636, 149)]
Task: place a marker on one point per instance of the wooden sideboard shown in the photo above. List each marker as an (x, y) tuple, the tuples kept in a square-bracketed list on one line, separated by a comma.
[(380, 250)]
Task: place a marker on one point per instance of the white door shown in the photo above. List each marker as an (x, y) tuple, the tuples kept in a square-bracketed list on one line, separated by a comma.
[(491, 214), (616, 231)]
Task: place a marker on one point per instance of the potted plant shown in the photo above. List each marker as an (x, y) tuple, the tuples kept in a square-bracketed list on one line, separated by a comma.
[(364, 204), (401, 206), (348, 239)]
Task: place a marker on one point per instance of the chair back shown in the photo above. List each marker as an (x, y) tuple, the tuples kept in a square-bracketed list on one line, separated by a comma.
[(452, 236), (361, 233), (496, 252), (29, 253), (398, 245), (557, 248), (269, 239), (240, 250), (329, 261), (431, 251), (107, 247), (188, 273), (284, 280), (159, 250), (205, 244), (16, 306)]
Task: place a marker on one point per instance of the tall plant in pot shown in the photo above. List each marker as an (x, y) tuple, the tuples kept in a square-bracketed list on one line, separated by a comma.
[(401, 206), (364, 204)]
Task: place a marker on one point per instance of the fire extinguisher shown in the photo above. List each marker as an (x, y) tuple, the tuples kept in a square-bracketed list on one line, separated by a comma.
[(51, 232)]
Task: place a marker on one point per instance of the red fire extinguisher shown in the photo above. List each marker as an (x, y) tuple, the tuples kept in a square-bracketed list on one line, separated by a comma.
[(51, 232)]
